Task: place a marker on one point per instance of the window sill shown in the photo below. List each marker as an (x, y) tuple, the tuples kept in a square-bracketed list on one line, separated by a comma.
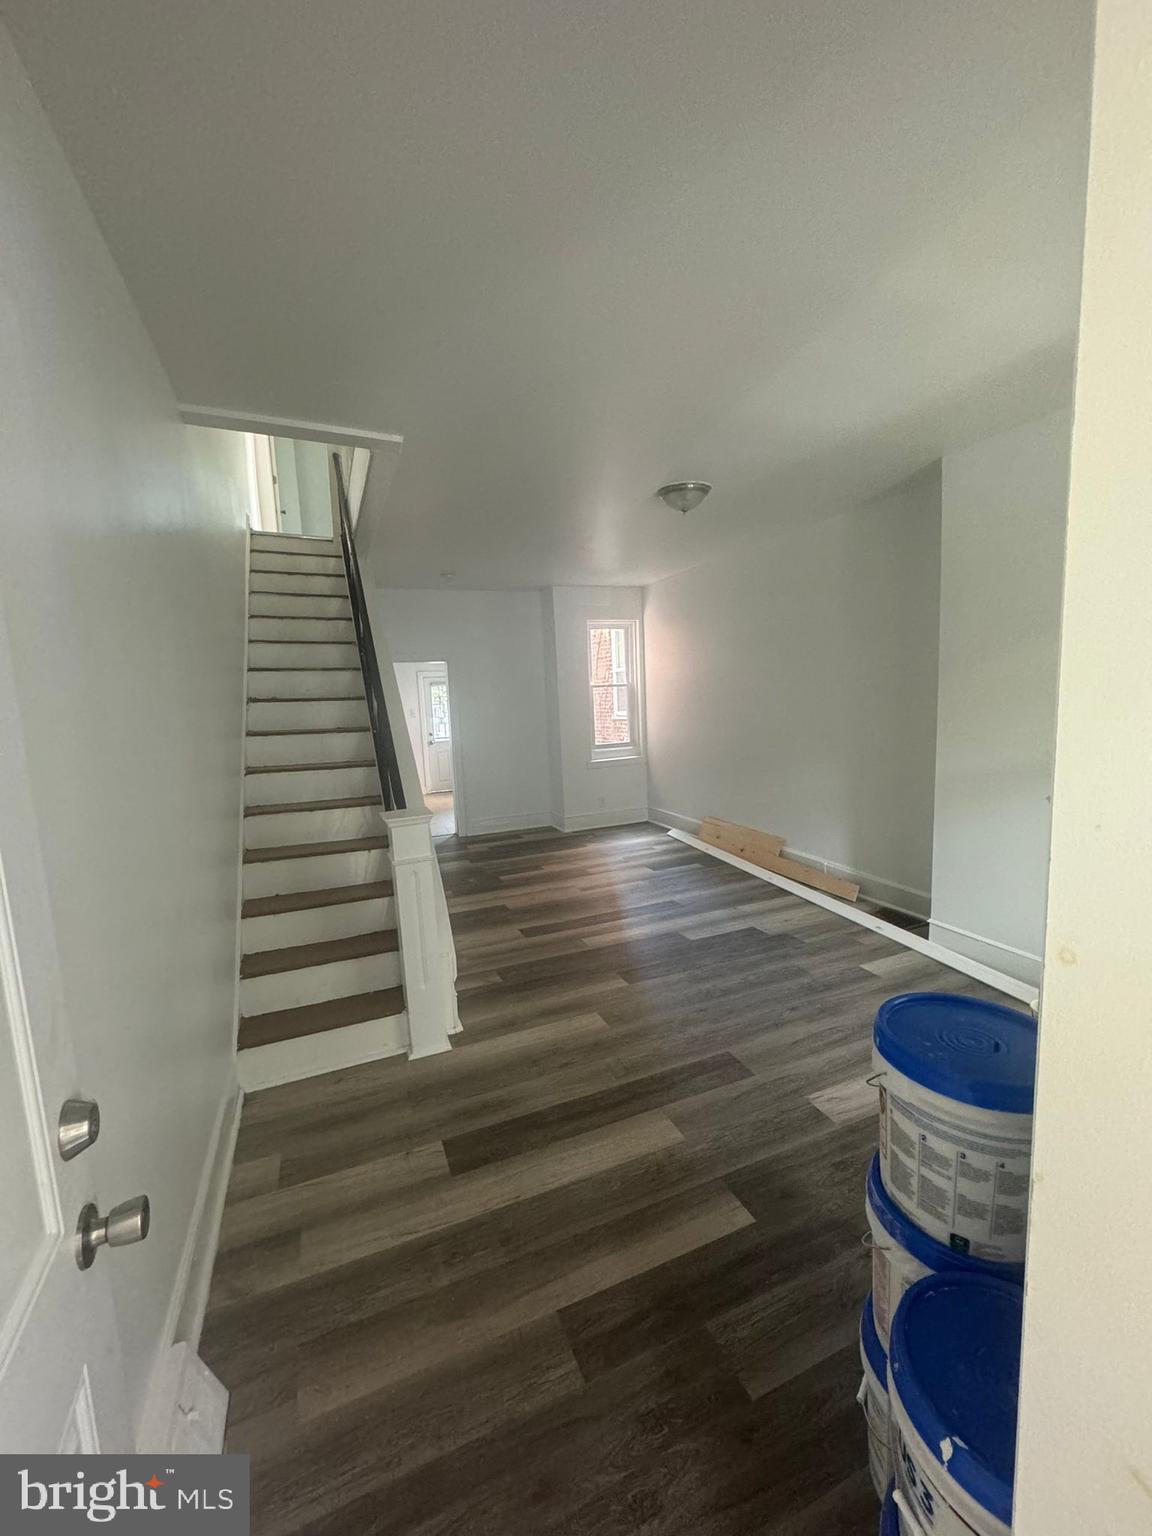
[(623, 757)]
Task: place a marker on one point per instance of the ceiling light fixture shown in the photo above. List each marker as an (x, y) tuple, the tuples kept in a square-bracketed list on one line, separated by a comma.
[(684, 495)]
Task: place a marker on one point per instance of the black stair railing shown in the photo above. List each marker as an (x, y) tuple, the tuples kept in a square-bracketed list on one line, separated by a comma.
[(383, 744)]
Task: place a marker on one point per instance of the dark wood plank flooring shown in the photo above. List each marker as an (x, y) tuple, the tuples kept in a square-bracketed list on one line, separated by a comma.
[(599, 1269)]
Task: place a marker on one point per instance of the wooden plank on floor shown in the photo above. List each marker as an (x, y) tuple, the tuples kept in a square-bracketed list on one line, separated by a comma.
[(745, 842)]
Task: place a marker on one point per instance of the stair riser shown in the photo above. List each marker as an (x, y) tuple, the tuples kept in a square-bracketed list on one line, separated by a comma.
[(304, 685), (273, 653), (340, 747), (287, 1061), (315, 565), (307, 715), (287, 605), (279, 877), (290, 543), (334, 783), (284, 831), (318, 983), (316, 924), (301, 629), (265, 582)]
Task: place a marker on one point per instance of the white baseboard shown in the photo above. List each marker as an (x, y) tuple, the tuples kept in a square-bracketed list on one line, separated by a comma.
[(486, 826), (952, 958), (189, 1299), (594, 819), (672, 819), (267, 1066), (191, 1414), (1006, 957)]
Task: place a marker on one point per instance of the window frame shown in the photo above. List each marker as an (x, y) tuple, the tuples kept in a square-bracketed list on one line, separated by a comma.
[(625, 752), (437, 681)]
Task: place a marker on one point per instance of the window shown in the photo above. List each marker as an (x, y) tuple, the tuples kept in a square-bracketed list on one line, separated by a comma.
[(612, 684), (438, 712)]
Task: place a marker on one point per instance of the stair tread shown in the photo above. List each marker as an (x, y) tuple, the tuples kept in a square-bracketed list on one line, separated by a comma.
[(269, 640), (298, 957), (293, 806), (312, 698), (360, 762), (318, 1018), (290, 592), (301, 669), (314, 850), (317, 730), (304, 901)]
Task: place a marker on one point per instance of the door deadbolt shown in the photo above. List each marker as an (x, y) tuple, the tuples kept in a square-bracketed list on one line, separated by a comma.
[(124, 1224), (78, 1127)]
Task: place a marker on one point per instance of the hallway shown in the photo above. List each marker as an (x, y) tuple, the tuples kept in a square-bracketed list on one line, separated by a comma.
[(443, 808), (599, 1269)]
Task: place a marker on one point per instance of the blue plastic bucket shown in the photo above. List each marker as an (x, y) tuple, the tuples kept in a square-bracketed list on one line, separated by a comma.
[(873, 1398), (953, 1382), (957, 1082), (903, 1254)]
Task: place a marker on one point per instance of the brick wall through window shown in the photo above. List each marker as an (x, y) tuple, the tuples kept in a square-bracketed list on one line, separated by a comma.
[(608, 675)]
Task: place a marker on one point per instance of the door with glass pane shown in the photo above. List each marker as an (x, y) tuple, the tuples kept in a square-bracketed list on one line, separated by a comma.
[(436, 724)]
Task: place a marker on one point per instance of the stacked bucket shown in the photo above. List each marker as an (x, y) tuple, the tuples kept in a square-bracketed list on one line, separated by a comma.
[(947, 1203)]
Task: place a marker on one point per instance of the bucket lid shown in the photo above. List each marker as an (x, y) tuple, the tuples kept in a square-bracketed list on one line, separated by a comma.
[(890, 1515), (955, 1355), (926, 1250), (871, 1346), (980, 1053)]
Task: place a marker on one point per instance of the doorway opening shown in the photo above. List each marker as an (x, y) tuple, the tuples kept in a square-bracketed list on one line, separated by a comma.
[(288, 485), (426, 698)]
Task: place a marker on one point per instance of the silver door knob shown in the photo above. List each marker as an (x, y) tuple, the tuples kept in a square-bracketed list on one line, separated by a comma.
[(78, 1127), (124, 1224)]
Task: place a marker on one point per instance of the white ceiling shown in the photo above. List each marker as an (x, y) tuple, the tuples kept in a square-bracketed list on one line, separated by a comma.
[(574, 248)]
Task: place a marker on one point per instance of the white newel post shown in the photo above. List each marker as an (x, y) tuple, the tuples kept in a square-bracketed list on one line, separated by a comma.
[(427, 953)]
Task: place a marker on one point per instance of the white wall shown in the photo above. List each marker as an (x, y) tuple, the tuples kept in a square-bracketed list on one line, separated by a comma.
[(122, 586), (493, 644), (1002, 555), (584, 793), (1084, 1463), (792, 687)]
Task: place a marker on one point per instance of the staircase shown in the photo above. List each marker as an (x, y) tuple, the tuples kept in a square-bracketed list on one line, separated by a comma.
[(320, 975)]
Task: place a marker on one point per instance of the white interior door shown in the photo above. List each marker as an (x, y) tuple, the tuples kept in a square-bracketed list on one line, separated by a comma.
[(61, 1385), (287, 488), (436, 726)]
